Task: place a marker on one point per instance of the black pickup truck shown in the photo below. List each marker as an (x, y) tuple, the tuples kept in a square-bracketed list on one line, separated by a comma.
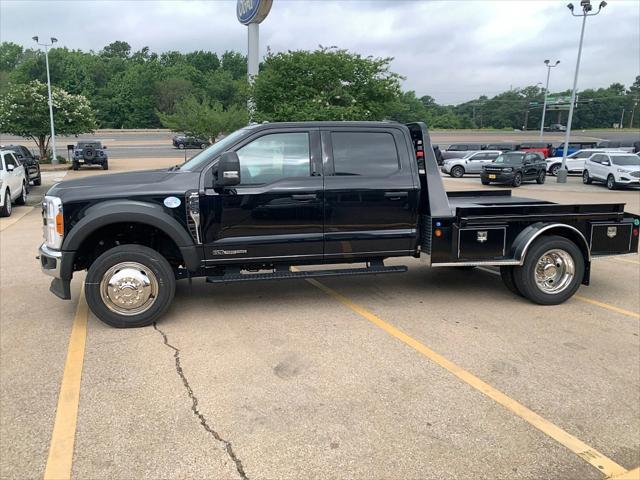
[(273, 196)]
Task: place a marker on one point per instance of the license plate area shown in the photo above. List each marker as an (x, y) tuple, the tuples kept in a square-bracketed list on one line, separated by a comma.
[(492, 176)]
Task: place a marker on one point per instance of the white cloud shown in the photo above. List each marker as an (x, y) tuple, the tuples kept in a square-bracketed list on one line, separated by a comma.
[(452, 51)]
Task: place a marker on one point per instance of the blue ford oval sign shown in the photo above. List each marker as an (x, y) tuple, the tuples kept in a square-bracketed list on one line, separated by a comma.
[(252, 11)]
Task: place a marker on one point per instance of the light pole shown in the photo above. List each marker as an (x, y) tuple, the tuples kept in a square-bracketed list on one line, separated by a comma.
[(586, 8), (54, 159), (546, 92)]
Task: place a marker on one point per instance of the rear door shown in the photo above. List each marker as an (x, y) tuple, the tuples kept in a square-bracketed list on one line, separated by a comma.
[(370, 195), (530, 167)]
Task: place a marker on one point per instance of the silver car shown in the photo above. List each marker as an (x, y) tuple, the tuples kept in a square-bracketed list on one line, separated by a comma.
[(472, 162)]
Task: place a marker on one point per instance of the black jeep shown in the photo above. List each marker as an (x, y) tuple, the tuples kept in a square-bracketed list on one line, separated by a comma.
[(514, 168), (89, 152)]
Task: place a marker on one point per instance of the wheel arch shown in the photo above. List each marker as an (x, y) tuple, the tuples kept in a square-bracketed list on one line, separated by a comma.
[(120, 212), (525, 239)]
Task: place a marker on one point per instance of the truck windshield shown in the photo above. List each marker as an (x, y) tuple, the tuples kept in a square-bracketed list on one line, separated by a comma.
[(213, 151), (625, 159), (510, 158)]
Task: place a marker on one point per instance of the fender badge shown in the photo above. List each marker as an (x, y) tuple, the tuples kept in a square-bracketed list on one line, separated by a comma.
[(172, 202)]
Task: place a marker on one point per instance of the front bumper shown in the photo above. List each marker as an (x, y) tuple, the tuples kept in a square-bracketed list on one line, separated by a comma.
[(627, 179), (505, 177), (445, 168), (55, 263)]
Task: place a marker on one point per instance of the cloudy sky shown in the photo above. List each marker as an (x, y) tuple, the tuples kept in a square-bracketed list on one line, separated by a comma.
[(451, 50)]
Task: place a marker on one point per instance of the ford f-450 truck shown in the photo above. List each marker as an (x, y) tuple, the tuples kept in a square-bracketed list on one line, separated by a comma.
[(274, 196)]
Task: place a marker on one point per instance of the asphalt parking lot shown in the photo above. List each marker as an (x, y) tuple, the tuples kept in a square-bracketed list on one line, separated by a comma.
[(436, 373)]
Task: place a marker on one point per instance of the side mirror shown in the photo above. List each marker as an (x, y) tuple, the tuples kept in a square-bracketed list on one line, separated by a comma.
[(104, 147), (228, 170), (11, 167), (606, 163), (36, 157)]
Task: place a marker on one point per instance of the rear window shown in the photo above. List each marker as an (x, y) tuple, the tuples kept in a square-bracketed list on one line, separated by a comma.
[(372, 154)]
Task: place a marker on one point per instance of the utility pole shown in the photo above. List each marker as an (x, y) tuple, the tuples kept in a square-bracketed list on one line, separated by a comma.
[(586, 8), (633, 111), (54, 158), (546, 92), (622, 118)]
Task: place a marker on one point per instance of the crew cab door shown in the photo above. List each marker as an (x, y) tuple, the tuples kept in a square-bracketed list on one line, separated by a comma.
[(370, 195), (276, 213), (530, 166)]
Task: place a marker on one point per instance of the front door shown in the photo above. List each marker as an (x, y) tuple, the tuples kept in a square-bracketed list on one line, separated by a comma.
[(276, 213), (370, 195)]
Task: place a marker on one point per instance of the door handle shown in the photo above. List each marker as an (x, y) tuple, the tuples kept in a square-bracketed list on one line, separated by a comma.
[(305, 196), (395, 195)]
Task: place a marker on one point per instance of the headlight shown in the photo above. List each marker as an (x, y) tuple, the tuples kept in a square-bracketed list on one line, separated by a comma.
[(622, 170), (53, 222), (508, 169)]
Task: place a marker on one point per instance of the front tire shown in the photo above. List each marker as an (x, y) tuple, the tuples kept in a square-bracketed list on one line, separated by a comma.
[(586, 179), (457, 171), (38, 180), (611, 182), (517, 180), (203, 146), (129, 286), (552, 271), (485, 182), (75, 165), (181, 146), (105, 165)]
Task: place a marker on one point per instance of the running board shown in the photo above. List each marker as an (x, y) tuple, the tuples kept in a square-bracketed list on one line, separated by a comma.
[(287, 274)]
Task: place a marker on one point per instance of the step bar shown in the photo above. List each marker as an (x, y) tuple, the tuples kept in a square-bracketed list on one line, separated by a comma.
[(236, 276)]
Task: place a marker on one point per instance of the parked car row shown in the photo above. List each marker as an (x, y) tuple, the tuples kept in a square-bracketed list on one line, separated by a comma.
[(13, 182), (29, 161), (614, 168), (458, 150)]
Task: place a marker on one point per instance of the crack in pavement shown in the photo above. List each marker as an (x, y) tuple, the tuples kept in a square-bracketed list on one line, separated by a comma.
[(194, 407)]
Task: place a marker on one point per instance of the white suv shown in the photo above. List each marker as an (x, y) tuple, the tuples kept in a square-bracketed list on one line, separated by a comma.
[(575, 161), (471, 162), (614, 169), (12, 182)]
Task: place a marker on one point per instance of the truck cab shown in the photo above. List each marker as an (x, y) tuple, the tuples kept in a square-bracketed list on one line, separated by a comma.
[(270, 198)]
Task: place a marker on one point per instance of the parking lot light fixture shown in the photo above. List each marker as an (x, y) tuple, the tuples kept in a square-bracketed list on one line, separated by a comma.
[(586, 8), (546, 93), (54, 159)]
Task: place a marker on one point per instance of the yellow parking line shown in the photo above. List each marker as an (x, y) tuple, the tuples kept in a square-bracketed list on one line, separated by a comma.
[(630, 475), (597, 303), (584, 451), (64, 428), (613, 308)]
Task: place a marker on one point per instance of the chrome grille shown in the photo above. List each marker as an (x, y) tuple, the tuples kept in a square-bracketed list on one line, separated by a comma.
[(635, 174)]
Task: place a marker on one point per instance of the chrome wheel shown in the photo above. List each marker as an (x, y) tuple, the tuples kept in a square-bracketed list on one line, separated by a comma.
[(554, 271), (129, 288)]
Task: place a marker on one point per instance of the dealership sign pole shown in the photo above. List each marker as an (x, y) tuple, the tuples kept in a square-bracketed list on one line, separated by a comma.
[(251, 13)]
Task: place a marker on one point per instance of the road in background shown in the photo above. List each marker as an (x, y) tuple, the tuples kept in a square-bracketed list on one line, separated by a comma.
[(132, 144)]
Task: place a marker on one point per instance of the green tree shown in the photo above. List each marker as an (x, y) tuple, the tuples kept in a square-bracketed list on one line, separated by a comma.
[(10, 55), (327, 84), (24, 111), (204, 118)]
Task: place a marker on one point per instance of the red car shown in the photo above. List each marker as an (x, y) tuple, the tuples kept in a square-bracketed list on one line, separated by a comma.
[(546, 149)]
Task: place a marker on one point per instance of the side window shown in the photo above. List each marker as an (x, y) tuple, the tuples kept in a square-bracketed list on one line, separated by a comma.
[(477, 157), (364, 153), (596, 158), (275, 156), (491, 156), (9, 159)]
